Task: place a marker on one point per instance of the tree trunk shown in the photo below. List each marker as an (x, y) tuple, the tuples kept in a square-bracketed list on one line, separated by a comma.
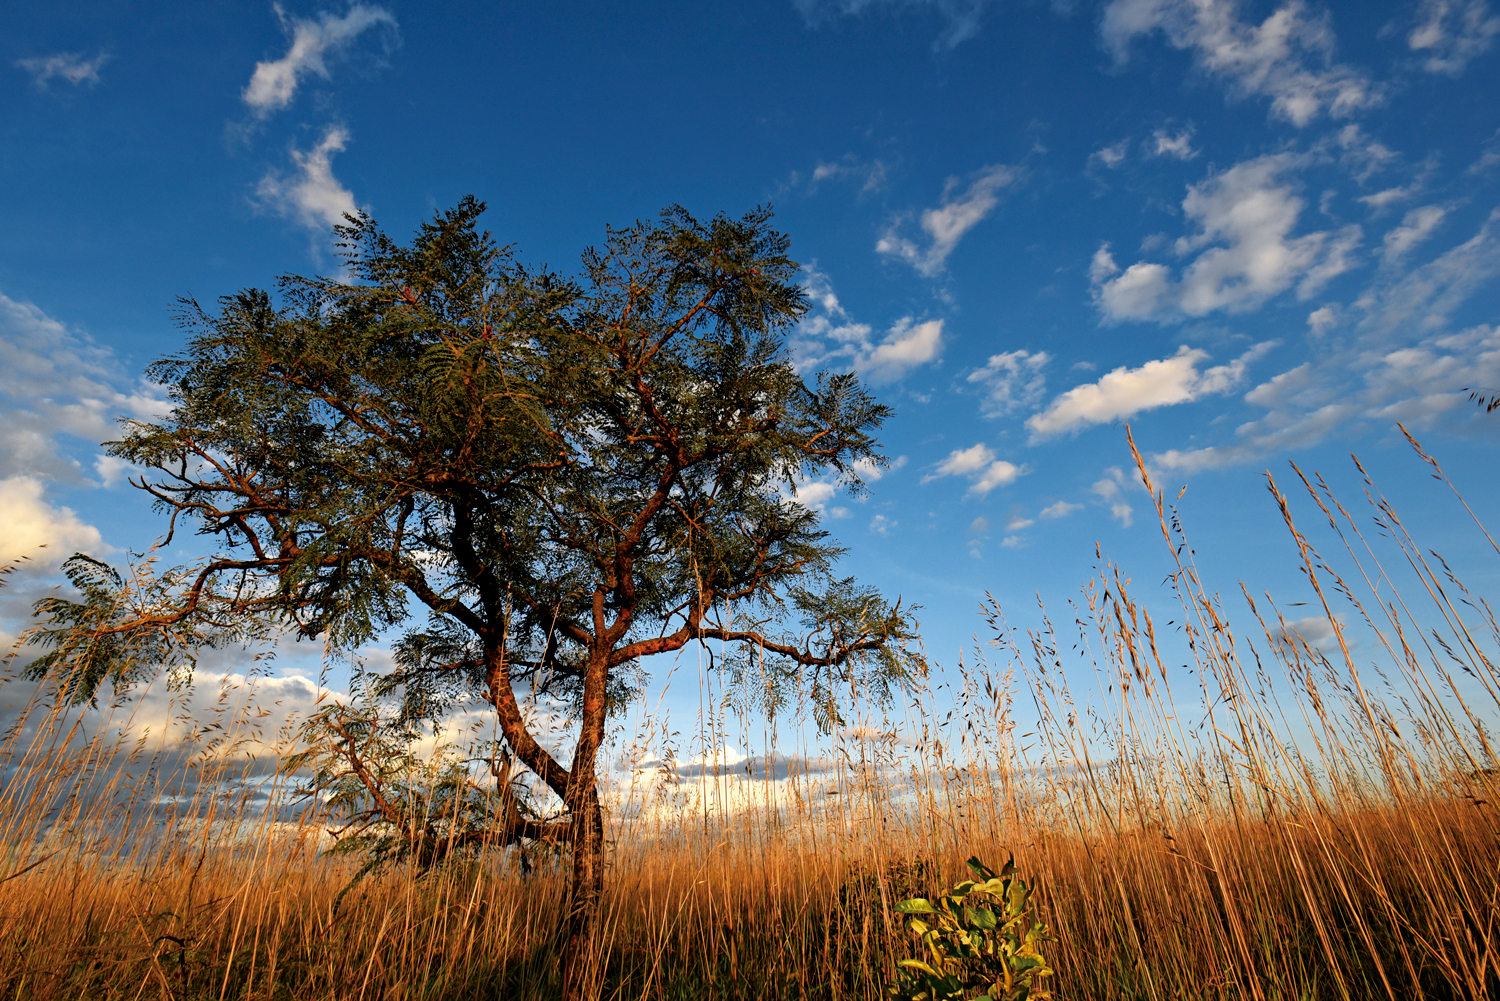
[(579, 969), (580, 966)]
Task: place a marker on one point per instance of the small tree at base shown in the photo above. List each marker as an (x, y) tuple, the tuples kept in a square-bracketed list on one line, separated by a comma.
[(567, 476)]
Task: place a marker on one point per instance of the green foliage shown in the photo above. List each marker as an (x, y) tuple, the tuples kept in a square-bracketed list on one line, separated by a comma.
[(974, 948), (84, 649)]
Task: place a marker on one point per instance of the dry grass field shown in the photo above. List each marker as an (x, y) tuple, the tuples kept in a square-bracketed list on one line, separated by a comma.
[(1299, 818)]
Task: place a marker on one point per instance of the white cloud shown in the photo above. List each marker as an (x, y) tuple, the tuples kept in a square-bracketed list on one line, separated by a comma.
[(829, 338), (946, 225), (1362, 156), (1059, 510), (870, 176), (1451, 33), (1415, 228), (868, 471), (1421, 385), (961, 18), (1321, 320), (1012, 380), (55, 382), (312, 196), (273, 84), (1111, 156), (1019, 522), (962, 462), (1178, 147), (1126, 391), (31, 523), (1287, 57), (1423, 299), (69, 66), (979, 525), (1246, 253), (1110, 489), (979, 465), (881, 525)]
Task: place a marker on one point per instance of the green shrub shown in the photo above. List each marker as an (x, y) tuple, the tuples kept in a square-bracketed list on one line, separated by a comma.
[(972, 946)]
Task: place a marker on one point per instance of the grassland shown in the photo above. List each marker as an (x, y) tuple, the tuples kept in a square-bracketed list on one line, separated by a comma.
[(1298, 818)]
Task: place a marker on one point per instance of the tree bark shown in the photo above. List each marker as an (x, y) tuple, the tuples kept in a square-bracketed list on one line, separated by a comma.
[(579, 969)]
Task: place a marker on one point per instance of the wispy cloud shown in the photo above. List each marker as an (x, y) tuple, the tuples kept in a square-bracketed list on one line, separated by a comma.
[(273, 84), (311, 196), (829, 338), (1424, 298), (1012, 380), (1288, 57), (1178, 147), (1246, 252), (1420, 384), (979, 465), (958, 212), (1451, 33), (1415, 228), (1110, 489), (69, 66), (961, 18), (1127, 391)]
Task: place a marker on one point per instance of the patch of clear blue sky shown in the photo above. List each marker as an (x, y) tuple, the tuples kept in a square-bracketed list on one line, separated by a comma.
[(1179, 136)]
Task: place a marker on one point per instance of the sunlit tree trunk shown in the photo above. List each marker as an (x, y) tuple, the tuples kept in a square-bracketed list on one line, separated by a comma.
[(586, 888)]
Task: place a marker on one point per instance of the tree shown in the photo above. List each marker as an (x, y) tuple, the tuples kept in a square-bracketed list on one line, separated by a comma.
[(567, 476)]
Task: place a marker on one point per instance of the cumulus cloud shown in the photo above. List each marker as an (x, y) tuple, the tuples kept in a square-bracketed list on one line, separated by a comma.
[(830, 338), (1288, 57), (958, 212), (1245, 251), (1451, 33), (311, 196), (56, 384), (979, 465), (1127, 391), (31, 524), (69, 66), (961, 18), (273, 84), (881, 525), (1011, 380)]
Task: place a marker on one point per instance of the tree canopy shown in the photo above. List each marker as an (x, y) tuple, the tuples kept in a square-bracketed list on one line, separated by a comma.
[(558, 475)]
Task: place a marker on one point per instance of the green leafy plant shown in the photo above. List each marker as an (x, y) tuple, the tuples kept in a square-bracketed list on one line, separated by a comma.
[(975, 949)]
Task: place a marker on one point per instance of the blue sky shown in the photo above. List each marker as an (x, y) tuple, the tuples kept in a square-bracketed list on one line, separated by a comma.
[(1256, 231)]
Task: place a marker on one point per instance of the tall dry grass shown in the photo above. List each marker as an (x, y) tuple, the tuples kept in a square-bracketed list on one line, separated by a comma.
[(1297, 818)]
